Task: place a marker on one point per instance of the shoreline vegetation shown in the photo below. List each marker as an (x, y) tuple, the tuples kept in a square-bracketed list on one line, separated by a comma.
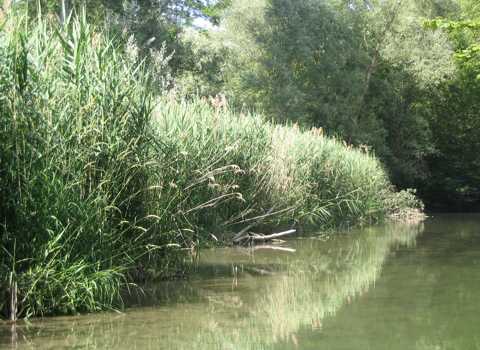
[(103, 181)]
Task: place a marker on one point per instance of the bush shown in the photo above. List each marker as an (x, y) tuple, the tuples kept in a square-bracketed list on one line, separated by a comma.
[(404, 204)]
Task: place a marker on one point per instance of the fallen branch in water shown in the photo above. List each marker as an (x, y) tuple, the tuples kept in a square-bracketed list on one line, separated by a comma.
[(259, 271), (259, 219), (274, 247), (242, 234), (250, 237), (264, 238)]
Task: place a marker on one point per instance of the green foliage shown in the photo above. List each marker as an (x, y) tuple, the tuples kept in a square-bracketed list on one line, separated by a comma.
[(318, 63), (466, 36), (214, 10), (454, 113), (456, 165), (205, 69), (404, 203), (222, 169), (74, 165), (155, 25), (371, 74), (96, 195)]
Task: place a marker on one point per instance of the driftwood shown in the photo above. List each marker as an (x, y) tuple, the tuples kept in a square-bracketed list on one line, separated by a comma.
[(274, 247), (260, 271), (244, 237), (258, 219), (242, 234)]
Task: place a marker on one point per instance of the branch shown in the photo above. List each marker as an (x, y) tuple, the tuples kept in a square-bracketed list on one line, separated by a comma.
[(244, 238)]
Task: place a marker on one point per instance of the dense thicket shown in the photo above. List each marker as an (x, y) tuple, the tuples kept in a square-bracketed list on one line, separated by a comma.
[(74, 131), (454, 117)]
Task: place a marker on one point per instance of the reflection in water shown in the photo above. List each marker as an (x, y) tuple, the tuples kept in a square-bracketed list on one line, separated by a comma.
[(427, 299), (316, 282), (321, 295)]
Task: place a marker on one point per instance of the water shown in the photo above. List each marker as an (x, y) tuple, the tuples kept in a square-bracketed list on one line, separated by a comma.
[(396, 286)]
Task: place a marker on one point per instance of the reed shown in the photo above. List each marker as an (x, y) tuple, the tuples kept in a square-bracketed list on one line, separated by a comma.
[(222, 170), (74, 131), (103, 184)]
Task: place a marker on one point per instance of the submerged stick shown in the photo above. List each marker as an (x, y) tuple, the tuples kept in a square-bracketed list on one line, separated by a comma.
[(260, 271), (242, 234), (244, 237), (274, 247), (264, 238), (13, 335)]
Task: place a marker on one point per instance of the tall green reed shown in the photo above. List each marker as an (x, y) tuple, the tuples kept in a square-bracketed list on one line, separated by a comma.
[(74, 131), (222, 170)]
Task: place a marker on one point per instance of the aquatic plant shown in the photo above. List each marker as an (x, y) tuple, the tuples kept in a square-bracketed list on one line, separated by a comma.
[(222, 169), (74, 131)]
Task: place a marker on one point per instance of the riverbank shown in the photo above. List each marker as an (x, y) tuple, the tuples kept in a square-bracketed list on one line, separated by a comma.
[(103, 182), (225, 170)]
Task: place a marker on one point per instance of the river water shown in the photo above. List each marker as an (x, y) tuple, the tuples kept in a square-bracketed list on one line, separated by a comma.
[(394, 286)]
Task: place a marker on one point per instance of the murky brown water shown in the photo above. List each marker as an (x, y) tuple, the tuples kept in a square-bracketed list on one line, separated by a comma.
[(391, 287)]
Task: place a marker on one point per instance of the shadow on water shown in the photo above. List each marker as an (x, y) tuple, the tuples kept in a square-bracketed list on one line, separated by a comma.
[(361, 290)]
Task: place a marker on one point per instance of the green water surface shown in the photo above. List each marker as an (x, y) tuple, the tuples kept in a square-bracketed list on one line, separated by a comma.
[(395, 286)]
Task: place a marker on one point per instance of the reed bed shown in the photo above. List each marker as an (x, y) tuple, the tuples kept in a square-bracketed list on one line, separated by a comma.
[(74, 166), (229, 169), (103, 184)]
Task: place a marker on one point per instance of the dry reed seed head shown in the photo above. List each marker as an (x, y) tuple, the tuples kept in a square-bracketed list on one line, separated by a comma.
[(364, 148), (131, 49), (219, 102), (317, 131)]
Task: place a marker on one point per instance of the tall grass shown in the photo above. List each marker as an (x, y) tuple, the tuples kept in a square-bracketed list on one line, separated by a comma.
[(74, 131), (101, 184), (223, 169)]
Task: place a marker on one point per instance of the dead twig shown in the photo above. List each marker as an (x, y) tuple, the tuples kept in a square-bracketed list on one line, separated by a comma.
[(244, 237)]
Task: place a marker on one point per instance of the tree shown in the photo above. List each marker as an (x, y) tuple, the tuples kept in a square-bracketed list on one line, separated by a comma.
[(455, 116)]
